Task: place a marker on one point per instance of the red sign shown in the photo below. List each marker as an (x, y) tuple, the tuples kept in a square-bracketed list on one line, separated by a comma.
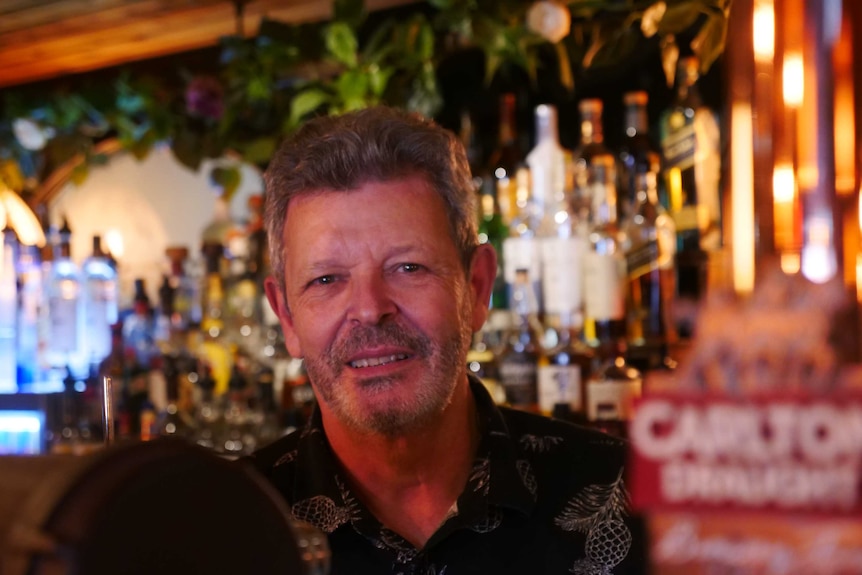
[(788, 454)]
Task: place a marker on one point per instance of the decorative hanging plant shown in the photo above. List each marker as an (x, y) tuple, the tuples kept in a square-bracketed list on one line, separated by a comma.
[(261, 89)]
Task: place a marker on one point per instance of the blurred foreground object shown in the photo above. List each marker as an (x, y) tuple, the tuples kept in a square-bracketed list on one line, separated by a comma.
[(157, 507), (748, 458)]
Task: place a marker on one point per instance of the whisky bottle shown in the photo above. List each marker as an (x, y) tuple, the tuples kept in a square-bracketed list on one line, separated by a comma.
[(692, 163), (493, 231), (650, 247), (637, 154), (564, 370), (215, 348), (506, 158)]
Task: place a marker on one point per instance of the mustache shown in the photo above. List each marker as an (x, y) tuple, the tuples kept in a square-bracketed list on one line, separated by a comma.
[(390, 334)]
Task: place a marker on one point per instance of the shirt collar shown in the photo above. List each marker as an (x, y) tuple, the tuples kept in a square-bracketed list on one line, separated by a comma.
[(500, 476)]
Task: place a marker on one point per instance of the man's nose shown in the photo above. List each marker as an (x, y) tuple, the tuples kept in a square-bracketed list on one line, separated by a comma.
[(370, 299)]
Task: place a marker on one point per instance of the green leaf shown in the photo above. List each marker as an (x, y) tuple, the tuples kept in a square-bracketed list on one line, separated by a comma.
[(227, 178), (306, 102), (425, 41), (709, 42), (352, 86), (679, 18), (259, 151), (187, 150), (565, 66), (378, 79), (341, 43)]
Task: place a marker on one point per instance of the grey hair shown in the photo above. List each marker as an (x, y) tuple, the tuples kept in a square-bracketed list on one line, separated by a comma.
[(374, 144)]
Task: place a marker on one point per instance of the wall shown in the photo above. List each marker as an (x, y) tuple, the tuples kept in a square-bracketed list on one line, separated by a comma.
[(153, 203)]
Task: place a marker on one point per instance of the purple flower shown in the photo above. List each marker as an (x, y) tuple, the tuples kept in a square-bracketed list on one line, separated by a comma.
[(205, 97)]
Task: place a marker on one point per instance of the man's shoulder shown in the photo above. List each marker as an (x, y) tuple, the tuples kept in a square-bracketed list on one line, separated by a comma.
[(275, 454), (564, 443)]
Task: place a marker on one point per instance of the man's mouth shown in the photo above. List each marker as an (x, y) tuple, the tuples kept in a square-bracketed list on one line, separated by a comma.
[(375, 361)]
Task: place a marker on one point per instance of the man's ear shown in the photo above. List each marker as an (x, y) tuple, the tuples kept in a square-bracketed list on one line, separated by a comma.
[(276, 298), (483, 272)]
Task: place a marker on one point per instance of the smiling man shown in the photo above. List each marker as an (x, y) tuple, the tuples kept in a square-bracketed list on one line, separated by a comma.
[(379, 283)]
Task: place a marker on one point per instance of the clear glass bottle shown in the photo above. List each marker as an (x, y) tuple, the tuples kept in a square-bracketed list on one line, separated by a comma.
[(594, 172), (64, 308), (30, 370), (650, 248), (522, 350), (8, 312), (564, 370), (613, 384), (100, 296), (593, 165)]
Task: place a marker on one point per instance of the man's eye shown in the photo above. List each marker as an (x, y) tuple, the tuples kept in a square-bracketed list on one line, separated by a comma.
[(411, 268), (322, 280)]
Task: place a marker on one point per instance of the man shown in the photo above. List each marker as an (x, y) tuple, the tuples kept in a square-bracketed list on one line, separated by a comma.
[(408, 466)]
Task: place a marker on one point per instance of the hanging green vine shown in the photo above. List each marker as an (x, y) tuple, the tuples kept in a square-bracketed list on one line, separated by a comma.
[(262, 88)]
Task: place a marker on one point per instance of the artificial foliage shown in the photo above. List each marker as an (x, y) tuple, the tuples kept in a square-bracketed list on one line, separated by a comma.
[(257, 90)]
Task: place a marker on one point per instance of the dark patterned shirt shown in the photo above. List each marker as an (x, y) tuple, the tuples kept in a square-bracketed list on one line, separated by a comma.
[(544, 497)]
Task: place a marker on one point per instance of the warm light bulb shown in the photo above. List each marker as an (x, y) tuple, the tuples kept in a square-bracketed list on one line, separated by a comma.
[(783, 183), (793, 80), (763, 22)]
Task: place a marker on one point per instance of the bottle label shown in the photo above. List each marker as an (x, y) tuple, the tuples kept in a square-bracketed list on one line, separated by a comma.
[(679, 147), (520, 254), (562, 274), (604, 298), (612, 399), (560, 384), (63, 315), (642, 259), (692, 217), (519, 381)]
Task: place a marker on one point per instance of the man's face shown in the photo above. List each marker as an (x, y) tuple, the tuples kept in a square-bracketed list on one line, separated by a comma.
[(378, 304)]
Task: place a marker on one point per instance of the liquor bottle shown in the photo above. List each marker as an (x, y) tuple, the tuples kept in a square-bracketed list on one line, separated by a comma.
[(138, 336), (690, 140), (186, 300), (8, 312), (546, 162), (237, 438), (100, 302), (493, 231), (208, 415), (64, 308), (172, 421), (215, 348), (519, 358), (650, 248), (506, 158), (30, 301), (482, 359), (593, 165), (594, 177), (613, 384), (637, 154), (564, 370)]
